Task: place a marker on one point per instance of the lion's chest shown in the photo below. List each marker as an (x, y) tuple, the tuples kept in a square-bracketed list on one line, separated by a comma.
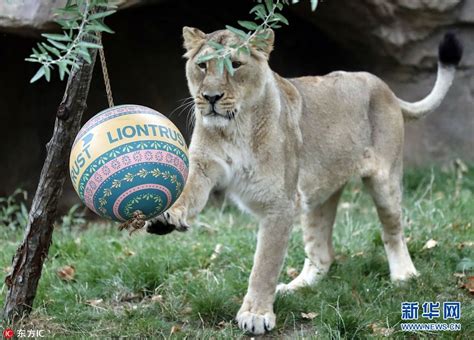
[(246, 182), (240, 167)]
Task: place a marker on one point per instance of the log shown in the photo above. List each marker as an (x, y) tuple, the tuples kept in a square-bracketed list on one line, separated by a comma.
[(22, 281)]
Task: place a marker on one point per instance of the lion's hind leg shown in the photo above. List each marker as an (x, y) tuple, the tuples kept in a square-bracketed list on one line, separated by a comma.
[(317, 235), (385, 189)]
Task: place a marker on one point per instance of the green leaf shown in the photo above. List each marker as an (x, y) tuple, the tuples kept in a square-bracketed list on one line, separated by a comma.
[(89, 36), (281, 18), (243, 49), (262, 35), (72, 9), (85, 54), (47, 73), (67, 24), (236, 31), (220, 65), (62, 69), (67, 70), (89, 44), (101, 15), (259, 43), (99, 28), (57, 37), (228, 66), (51, 49), (260, 11), (269, 4), (215, 45), (57, 44), (38, 74), (248, 25), (206, 57), (314, 4), (105, 28), (42, 49), (72, 63)]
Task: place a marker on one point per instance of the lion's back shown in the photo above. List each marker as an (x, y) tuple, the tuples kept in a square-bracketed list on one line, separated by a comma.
[(335, 123)]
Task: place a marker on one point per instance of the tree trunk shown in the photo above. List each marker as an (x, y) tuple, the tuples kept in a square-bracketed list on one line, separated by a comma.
[(22, 281)]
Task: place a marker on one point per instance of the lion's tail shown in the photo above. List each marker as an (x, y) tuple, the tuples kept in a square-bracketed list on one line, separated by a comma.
[(449, 55)]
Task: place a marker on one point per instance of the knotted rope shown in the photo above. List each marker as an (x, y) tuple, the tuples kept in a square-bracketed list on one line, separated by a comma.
[(108, 88), (138, 219)]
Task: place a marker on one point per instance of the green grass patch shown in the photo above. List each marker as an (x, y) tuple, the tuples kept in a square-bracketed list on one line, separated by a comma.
[(151, 286)]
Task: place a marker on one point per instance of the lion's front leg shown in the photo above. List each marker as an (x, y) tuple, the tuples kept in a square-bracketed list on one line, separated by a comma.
[(256, 314), (203, 176)]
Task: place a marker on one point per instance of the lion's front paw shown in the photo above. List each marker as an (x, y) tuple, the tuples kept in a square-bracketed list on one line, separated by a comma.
[(404, 275), (256, 323), (172, 219), (293, 286)]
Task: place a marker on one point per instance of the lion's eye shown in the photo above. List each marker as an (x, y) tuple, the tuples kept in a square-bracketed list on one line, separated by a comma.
[(236, 64), (202, 66)]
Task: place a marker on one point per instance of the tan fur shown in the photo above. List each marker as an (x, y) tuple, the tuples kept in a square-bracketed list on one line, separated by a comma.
[(273, 140)]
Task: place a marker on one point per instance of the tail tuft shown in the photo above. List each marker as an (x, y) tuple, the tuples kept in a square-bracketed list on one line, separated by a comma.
[(449, 53), (450, 50)]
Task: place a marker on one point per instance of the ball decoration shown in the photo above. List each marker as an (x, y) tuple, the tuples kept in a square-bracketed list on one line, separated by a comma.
[(128, 158)]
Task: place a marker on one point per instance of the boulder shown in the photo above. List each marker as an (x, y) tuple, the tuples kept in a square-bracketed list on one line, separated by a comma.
[(33, 16)]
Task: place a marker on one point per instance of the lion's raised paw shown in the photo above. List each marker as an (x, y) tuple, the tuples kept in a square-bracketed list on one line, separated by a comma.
[(167, 222)]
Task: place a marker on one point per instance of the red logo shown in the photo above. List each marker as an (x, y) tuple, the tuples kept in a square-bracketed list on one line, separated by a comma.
[(8, 333)]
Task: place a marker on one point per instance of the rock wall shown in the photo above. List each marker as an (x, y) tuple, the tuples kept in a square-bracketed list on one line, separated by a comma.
[(28, 17), (25, 17)]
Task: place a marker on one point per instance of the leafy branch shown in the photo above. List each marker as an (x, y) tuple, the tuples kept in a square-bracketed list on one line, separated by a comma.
[(314, 4), (268, 12), (80, 20)]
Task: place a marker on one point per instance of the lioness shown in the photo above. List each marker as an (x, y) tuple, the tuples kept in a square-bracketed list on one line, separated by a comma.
[(272, 142)]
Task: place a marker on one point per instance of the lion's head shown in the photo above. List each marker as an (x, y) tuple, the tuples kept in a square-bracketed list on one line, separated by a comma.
[(219, 96)]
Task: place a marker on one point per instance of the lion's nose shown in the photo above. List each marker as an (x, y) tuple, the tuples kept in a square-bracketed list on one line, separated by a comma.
[(212, 98)]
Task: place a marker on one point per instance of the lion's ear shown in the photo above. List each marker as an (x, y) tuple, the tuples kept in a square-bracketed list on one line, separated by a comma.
[(264, 42), (193, 37)]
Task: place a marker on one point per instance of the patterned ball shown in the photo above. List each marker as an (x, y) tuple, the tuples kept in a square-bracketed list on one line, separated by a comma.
[(129, 158)]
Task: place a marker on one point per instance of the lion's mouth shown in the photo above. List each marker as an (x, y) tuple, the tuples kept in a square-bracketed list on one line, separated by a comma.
[(214, 112)]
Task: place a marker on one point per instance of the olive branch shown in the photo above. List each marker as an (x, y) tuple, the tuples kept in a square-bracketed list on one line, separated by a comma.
[(265, 11), (79, 20)]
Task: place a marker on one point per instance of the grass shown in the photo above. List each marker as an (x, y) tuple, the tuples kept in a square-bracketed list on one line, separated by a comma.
[(178, 286)]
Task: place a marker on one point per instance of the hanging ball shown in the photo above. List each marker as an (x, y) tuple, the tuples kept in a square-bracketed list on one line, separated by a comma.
[(129, 158)]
